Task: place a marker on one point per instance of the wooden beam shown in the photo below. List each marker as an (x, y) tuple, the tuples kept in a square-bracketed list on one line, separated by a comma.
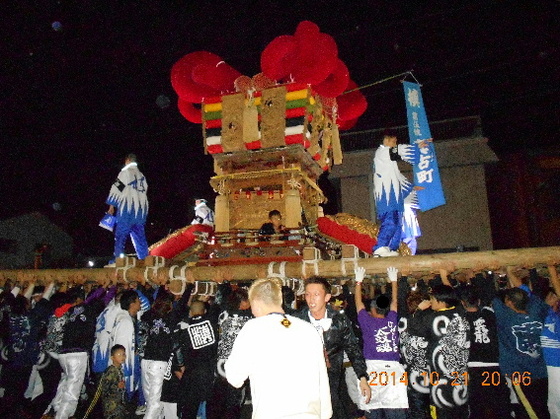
[(417, 266)]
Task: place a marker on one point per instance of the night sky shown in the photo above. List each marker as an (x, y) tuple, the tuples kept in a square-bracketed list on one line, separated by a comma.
[(80, 82)]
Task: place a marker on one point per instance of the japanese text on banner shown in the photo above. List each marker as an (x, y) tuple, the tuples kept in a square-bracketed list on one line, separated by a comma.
[(426, 171)]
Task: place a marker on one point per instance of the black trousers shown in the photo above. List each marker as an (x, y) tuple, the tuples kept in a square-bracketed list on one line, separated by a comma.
[(488, 394), (226, 400), (196, 387), (338, 386), (418, 404), (15, 379), (537, 395)]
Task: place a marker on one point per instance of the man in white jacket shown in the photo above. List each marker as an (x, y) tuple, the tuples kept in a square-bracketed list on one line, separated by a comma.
[(124, 332), (283, 357)]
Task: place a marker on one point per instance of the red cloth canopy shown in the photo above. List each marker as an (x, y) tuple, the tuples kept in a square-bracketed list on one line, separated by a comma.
[(346, 235)]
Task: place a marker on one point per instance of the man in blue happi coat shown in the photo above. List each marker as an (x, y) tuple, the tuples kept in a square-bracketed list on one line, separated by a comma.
[(391, 188), (129, 203)]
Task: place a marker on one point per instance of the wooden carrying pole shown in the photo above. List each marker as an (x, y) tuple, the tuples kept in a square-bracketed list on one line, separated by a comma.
[(419, 265)]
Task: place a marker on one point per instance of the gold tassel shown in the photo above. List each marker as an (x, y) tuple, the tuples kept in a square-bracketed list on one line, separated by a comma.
[(336, 146), (250, 122)]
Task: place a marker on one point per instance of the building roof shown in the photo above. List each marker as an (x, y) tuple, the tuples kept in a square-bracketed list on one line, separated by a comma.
[(13, 226), (458, 142), (447, 129)]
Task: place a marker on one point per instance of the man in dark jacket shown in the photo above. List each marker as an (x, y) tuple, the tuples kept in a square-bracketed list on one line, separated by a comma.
[(338, 337), (447, 331), (197, 342), (226, 400), (78, 336)]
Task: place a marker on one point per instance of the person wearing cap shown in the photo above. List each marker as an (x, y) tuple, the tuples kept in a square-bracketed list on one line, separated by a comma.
[(381, 351), (285, 382), (202, 213), (128, 201)]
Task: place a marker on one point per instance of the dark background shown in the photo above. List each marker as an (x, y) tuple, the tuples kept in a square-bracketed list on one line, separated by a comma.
[(74, 101)]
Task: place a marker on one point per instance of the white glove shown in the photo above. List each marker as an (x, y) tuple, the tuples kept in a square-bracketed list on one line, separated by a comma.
[(392, 273), (360, 273)]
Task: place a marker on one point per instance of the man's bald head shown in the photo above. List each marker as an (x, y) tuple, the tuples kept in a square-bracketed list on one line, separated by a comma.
[(197, 309)]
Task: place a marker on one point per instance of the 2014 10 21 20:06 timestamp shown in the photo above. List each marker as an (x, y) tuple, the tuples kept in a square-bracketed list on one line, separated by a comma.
[(488, 378)]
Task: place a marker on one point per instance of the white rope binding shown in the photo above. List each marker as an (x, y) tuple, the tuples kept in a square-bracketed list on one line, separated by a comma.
[(313, 262), (151, 271), (181, 278), (281, 270), (126, 267), (353, 260)]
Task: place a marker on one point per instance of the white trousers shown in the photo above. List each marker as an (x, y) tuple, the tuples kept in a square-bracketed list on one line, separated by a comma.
[(554, 391), (170, 410), (354, 392), (74, 366), (387, 389), (152, 383)]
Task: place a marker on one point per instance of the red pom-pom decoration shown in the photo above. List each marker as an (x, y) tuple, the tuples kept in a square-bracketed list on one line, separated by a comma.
[(219, 76), (316, 59), (335, 84), (189, 111), (344, 125), (308, 57), (182, 76), (277, 59), (351, 105)]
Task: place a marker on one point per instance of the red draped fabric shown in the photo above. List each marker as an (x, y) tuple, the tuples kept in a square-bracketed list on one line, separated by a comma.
[(344, 234), (179, 241)]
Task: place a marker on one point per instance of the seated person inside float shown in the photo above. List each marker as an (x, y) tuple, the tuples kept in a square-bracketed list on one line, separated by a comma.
[(274, 226)]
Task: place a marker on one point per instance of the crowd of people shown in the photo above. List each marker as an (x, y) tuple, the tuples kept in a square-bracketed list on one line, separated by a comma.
[(474, 348)]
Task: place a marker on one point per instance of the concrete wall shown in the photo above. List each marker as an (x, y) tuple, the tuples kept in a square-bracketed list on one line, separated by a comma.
[(464, 219)]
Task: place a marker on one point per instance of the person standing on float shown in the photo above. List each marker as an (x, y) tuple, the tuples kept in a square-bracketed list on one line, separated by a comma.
[(129, 203), (391, 187), (202, 213)]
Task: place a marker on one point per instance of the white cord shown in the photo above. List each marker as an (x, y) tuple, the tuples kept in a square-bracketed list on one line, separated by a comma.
[(281, 271)]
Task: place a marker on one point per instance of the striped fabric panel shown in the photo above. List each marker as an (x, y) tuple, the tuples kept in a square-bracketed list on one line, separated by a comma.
[(297, 129), (290, 113), (213, 132), (297, 102), (295, 112), (292, 122), (213, 140), (291, 96), (208, 116), (255, 145), (214, 123), (215, 149)]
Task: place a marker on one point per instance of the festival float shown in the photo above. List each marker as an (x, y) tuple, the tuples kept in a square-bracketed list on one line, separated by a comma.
[(271, 136)]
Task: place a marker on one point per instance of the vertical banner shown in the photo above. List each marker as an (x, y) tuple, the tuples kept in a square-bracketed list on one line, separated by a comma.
[(426, 171)]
